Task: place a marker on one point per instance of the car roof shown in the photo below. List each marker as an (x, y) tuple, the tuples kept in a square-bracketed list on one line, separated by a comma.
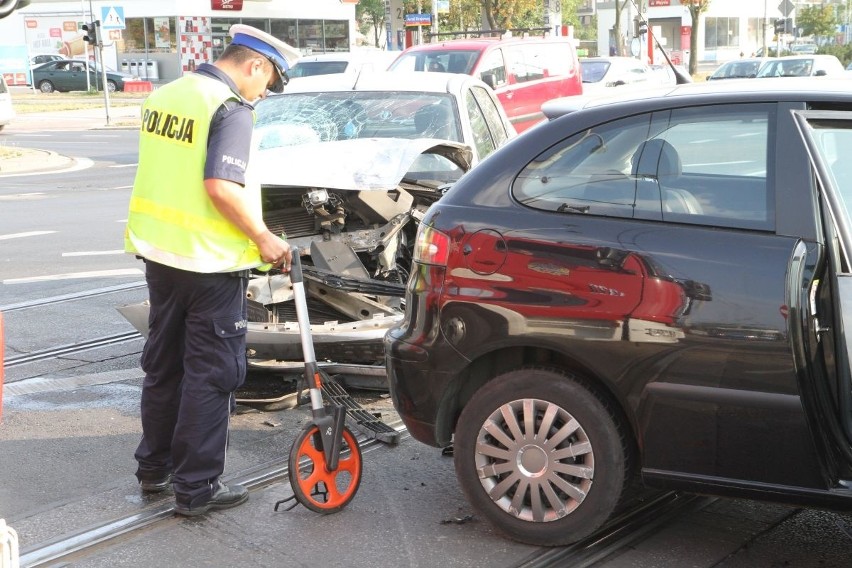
[(719, 92), (366, 55), (399, 81)]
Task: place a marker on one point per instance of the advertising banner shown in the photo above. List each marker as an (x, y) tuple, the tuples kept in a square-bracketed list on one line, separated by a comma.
[(163, 32)]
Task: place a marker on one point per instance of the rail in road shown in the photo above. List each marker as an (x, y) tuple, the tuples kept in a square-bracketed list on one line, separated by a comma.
[(641, 519)]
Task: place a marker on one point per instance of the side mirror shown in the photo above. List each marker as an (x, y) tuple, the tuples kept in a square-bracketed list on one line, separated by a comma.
[(490, 80), (820, 73)]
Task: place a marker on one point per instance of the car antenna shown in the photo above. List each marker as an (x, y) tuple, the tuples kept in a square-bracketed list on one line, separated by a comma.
[(680, 78)]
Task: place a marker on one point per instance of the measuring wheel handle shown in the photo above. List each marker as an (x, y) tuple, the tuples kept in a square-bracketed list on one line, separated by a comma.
[(325, 460)]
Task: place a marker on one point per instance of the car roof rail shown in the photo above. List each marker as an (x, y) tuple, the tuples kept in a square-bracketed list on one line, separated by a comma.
[(499, 33)]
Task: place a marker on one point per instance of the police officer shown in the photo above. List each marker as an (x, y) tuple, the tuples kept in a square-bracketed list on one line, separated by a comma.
[(198, 226)]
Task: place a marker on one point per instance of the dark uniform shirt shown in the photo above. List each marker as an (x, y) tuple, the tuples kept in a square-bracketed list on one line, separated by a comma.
[(229, 143)]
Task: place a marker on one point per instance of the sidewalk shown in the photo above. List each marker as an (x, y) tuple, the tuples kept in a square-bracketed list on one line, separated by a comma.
[(15, 159)]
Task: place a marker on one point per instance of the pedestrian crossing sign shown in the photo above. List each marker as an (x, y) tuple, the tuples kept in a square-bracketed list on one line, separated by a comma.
[(112, 17)]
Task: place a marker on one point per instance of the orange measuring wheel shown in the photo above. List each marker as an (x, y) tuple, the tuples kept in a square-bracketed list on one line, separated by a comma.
[(316, 486)]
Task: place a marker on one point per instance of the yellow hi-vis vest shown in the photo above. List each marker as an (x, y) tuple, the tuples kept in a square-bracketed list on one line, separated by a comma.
[(171, 219)]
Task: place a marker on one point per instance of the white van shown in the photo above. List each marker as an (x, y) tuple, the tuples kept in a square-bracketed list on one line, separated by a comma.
[(7, 113), (342, 62)]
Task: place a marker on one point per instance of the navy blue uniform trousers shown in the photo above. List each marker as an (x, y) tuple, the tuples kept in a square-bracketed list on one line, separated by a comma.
[(194, 360)]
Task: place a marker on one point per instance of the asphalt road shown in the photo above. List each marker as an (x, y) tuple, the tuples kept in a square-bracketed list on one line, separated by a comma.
[(70, 425)]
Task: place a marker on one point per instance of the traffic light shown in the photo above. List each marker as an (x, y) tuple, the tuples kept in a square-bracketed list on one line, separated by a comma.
[(784, 25), (92, 30), (639, 27)]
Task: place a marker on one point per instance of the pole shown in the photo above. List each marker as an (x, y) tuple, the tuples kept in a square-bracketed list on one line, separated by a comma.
[(86, 49), (419, 27), (434, 17), (104, 78)]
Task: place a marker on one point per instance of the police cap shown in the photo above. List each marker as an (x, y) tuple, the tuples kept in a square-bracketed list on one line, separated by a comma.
[(281, 55)]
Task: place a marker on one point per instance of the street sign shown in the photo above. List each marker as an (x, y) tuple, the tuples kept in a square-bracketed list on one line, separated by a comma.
[(112, 17), (786, 7)]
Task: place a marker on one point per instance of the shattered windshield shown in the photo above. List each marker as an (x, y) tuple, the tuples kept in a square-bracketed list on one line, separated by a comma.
[(299, 118)]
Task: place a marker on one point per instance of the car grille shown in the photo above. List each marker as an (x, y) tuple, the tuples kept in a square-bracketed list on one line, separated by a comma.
[(293, 221), (318, 312)]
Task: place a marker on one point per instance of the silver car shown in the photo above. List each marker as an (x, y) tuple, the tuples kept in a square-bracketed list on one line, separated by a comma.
[(348, 167)]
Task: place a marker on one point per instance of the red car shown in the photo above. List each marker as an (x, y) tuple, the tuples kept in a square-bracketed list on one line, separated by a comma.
[(524, 72)]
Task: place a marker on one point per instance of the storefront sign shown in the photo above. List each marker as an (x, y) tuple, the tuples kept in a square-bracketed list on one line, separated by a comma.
[(653, 3), (230, 5), (418, 20)]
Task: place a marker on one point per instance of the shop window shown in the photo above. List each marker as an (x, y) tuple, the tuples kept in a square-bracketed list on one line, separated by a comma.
[(336, 35), (285, 30), (156, 35)]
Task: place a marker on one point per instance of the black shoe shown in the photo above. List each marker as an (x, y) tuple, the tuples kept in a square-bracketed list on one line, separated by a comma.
[(156, 485), (224, 497)]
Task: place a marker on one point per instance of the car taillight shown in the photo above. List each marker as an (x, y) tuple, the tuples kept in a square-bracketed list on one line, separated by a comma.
[(432, 246)]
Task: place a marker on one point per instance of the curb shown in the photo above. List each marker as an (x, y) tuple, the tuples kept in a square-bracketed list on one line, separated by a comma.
[(33, 160)]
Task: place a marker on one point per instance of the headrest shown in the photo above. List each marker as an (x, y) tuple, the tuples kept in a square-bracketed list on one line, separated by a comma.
[(656, 158)]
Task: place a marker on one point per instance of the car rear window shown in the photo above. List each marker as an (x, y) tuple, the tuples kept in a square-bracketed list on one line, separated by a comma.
[(704, 165)]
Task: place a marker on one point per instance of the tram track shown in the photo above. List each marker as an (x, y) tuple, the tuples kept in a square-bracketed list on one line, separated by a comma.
[(638, 522), (80, 544), (41, 302), (71, 348)]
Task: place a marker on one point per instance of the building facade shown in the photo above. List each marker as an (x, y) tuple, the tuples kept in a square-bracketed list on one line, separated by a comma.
[(727, 30), (159, 40)]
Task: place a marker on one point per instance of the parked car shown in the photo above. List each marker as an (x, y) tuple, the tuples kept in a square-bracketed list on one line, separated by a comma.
[(7, 112), (801, 66), (70, 75), (342, 62), (674, 74), (601, 73), (737, 69), (524, 72), (348, 166), (803, 48), (653, 290)]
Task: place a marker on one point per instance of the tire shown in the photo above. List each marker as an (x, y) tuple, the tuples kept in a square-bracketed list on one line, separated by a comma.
[(320, 490), (563, 506), (46, 87), (111, 86)]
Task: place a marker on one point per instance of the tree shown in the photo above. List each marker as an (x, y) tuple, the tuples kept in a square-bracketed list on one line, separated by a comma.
[(620, 48), (696, 8), (371, 13), (463, 15), (505, 14), (819, 21)]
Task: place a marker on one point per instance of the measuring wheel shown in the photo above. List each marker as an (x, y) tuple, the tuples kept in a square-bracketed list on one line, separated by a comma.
[(314, 485)]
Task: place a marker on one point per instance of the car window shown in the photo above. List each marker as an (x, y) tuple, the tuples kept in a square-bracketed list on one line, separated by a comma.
[(525, 62), (493, 119), (593, 71), (299, 118), (492, 65), (311, 68), (3, 88), (706, 166), (481, 133)]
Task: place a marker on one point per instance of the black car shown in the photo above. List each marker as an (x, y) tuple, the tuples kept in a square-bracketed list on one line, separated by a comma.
[(654, 287), (71, 75)]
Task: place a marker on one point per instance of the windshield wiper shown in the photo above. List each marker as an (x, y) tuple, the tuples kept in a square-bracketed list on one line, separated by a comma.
[(566, 208)]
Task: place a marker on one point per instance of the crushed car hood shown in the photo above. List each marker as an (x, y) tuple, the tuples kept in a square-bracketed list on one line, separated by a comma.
[(363, 164)]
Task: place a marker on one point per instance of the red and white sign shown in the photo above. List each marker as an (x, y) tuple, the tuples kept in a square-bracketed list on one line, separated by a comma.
[(229, 5)]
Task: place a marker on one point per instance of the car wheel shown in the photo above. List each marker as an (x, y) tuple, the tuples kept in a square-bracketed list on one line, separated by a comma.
[(46, 87), (542, 456), (111, 86)]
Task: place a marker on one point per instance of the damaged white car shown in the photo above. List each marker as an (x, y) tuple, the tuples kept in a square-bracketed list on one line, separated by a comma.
[(348, 167)]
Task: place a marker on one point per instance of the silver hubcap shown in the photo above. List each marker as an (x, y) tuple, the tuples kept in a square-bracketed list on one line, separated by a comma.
[(534, 460)]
